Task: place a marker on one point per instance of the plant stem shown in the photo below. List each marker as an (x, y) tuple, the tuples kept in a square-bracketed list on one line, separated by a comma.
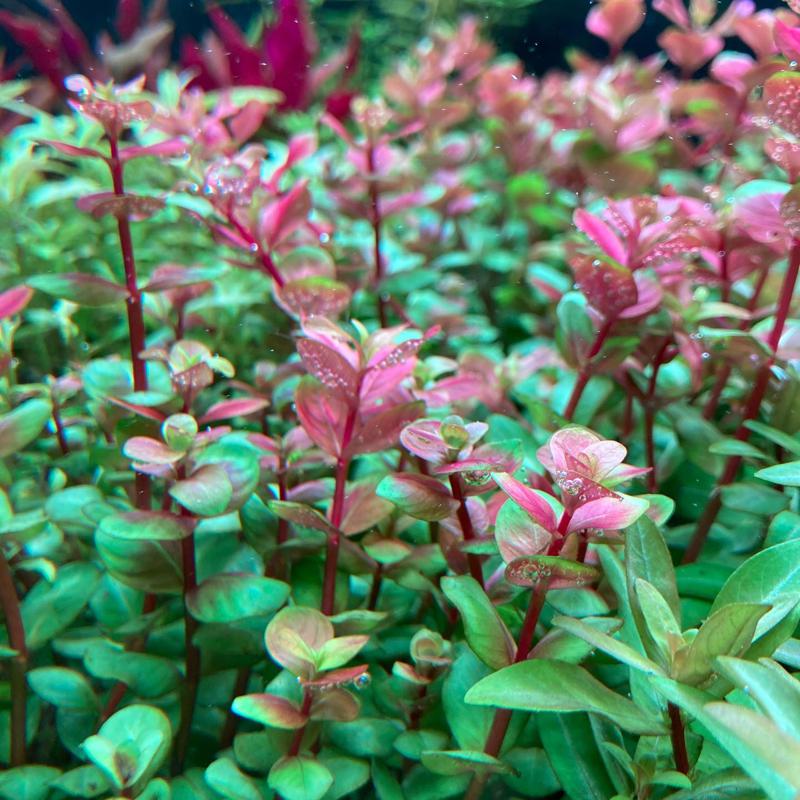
[(192, 658), (377, 223), (134, 301), (585, 371), (297, 740), (18, 664), (678, 739), (650, 415), (337, 511), (467, 530), (375, 589), (239, 688), (502, 717), (255, 247), (710, 408), (751, 408)]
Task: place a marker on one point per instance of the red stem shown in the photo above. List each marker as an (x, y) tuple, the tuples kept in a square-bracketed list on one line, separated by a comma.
[(337, 511), (751, 409), (239, 688), (585, 371), (61, 435), (650, 414), (678, 739), (9, 601), (502, 717), (377, 222), (297, 740), (134, 301), (375, 589), (255, 247), (465, 521), (724, 374)]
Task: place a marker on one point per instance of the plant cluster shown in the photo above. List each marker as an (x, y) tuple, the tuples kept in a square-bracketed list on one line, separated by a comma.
[(444, 448)]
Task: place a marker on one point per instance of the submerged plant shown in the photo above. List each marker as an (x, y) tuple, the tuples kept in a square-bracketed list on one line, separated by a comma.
[(381, 485)]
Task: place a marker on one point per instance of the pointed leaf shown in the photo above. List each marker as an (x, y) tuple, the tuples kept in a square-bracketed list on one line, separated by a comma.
[(558, 686)]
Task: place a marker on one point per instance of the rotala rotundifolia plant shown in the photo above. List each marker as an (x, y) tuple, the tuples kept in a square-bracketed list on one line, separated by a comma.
[(400, 427)]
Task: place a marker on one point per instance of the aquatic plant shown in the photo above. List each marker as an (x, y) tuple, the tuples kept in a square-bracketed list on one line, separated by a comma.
[(445, 447)]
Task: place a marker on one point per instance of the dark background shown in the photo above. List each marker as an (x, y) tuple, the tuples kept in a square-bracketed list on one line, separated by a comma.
[(539, 35)]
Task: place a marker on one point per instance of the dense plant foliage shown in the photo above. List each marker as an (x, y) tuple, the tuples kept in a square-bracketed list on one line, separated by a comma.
[(439, 441)]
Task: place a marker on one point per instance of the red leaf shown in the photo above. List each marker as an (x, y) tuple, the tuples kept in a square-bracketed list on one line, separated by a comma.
[(382, 430), (12, 301), (608, 286), (322, 414), (72, 150), (331, 369), (240, 407)]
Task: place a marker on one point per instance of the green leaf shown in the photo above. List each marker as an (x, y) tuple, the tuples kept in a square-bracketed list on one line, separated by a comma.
[(224, 777), (269, 710), (384, 783), (736, 447), (206, 493), (613, 647), (770, 576), (419, 496), (485, 632), (770, 756), (349, 775), (63, 688), (231, 597), (50, 608), (662, 630), (558, 686), (365, 737), (151, 566), (85, 781), (146, 525), (412, 743), (300, 778), (18, 428), (131, 745), (30, 782), (533, 775), (146, 675), (728, 631), (574, 755), (784, 474), (775, 690), (559, 572), (80, 288), (455, 762), (647, 557), (784, 440)]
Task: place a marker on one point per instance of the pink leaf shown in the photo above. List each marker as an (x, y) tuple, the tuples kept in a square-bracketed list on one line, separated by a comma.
[(607, 285), (382, 429), (331, 369), (240, 407), (525, 497), (363, 508), (72, 150), (600, 234), (151, 451), (608, 513), (12, 301), (322, 414), (165, 149)]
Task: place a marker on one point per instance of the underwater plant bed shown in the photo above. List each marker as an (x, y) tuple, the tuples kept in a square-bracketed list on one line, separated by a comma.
[(429, 437)]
